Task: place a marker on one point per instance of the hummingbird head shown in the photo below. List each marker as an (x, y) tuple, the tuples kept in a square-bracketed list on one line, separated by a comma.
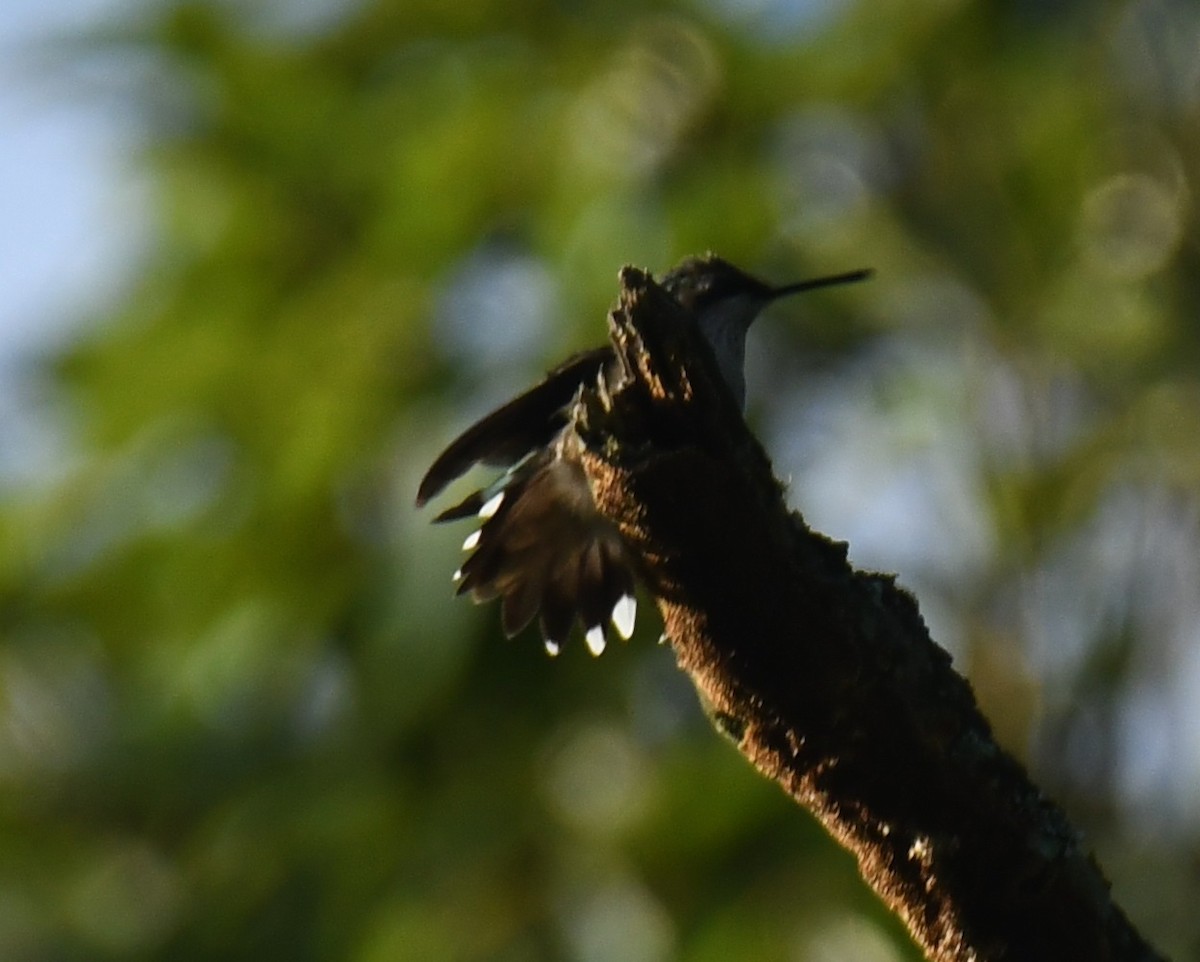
[(710, 287), (724, 301)]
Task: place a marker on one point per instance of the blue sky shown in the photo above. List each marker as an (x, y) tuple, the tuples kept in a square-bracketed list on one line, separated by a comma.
[(71, 223)]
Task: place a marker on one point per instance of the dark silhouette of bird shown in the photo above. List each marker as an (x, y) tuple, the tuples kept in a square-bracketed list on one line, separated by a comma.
[(543, 547)]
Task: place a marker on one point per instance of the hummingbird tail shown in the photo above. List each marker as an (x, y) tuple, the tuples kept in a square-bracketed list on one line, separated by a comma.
[(546, 552)]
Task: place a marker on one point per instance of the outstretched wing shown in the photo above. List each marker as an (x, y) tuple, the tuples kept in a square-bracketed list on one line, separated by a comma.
[(526, 423), (543, 548)]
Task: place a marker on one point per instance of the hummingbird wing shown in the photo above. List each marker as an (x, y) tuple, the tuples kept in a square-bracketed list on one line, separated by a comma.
[(526, 423), (543, 548)]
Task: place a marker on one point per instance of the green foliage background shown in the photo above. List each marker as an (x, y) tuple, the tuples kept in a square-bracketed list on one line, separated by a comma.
[(241, 715)]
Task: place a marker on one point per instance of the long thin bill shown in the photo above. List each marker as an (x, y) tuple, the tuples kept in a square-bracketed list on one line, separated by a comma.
[(832, 280)]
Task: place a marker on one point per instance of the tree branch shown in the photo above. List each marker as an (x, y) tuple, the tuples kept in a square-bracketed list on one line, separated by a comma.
[(825, 676)]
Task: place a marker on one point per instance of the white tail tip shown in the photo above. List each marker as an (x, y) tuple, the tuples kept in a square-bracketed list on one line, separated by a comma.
[(472, 540), (595, 639), (552, 647), (624, 616), (491, 506)]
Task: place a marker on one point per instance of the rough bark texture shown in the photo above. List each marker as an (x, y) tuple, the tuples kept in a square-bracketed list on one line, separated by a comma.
[(825, 676)]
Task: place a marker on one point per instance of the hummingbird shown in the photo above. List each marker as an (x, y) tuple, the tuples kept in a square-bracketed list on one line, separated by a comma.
[(543, 547)]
